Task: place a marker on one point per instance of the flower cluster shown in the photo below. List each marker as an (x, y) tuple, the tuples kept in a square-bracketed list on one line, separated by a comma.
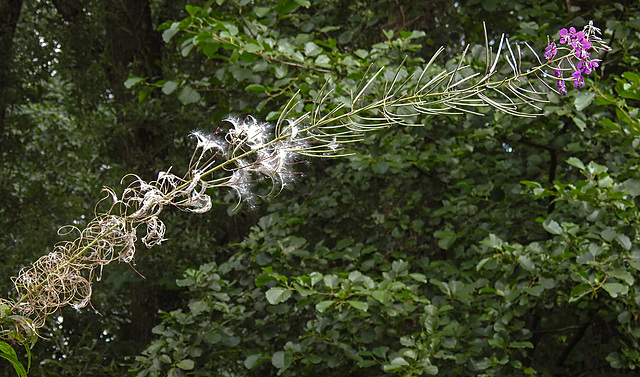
[(579, 45)]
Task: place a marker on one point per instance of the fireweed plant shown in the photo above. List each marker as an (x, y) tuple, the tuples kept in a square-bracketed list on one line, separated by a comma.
[(252, 151)]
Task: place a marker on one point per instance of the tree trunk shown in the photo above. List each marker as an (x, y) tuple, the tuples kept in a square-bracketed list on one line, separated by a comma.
[(124, 42), (132, 45), (9, 16)]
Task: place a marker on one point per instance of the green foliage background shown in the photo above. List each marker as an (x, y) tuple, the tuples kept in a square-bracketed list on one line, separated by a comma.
[(469, 245)]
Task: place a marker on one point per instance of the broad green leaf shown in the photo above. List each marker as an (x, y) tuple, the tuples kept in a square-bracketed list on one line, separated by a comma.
[(239, 73), (380, 167), (380, 351), (304, 3), (132, 81), (188, 96), (635, 263), (355, 276), (186, 364), (312, 49), (281, 71), (210, 49), (624, 241), (531, 184), (345, 242), (198, 307), (526, 263), (231, 28), (263, 279), (595, 249), (582, 125), (323, 305), (192, 9), (400, 267), (575, 162), (367, 282), (535, 290), (583, 100), (169, 87), (614, 360), (608, 234), (144, 93), (303, 291), (367, 363), (595, 168), (323, 61), (399, 361), (483, 262), (331, 281), (492, 241), (252, 361), (584, 258), (615, 289), (169, 33), (230, 341), (261, 11), (579, 290), (381, 296), (187, 47), (277, 295), (252, 47), (632, 186), (622, 274), (624, 317), (362, 306), (446, 238), (281, 360), (315, 277), (520, 345), (431, 370), (552, 227), (255, 88)]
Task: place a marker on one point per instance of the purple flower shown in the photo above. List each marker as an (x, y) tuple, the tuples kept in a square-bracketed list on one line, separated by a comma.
[(576, 55), (550, 51), (562, 88), (588, 66), (591, 65), (568, 36), (578, 80), (581, 49), (564, 35)]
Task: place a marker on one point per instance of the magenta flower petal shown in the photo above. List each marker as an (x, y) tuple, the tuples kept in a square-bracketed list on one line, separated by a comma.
[(550, 51), (578, 80), (562, 88)]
